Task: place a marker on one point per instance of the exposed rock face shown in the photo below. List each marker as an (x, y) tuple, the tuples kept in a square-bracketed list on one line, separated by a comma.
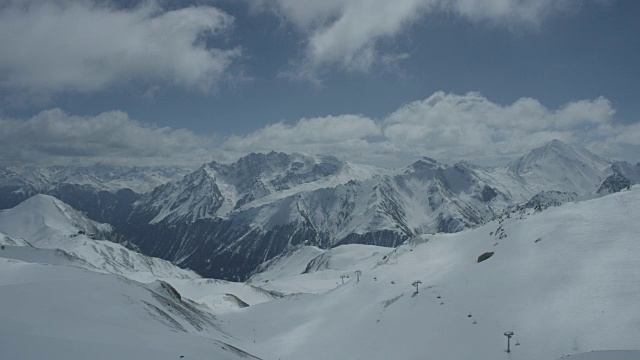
[(485, 256)]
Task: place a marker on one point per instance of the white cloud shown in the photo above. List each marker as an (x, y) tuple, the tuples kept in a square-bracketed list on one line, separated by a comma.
[(347, 136), (450, 128), (47, 47), (509, 12), (447, 127), (55, 137), (346, 33), (471, 127)]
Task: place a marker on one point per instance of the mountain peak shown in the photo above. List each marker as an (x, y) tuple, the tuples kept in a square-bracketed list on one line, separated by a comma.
[(41, 203), (42, 216), (425, 163), (562, 166), (555, 152), (556, 143)]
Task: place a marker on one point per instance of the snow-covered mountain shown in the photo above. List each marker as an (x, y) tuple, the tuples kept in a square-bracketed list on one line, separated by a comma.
[(624, 175), (140, 179), (225, 219), (562, 279), (562, 167), (44, 222), (104, 192), (60, 235), (220, 190)]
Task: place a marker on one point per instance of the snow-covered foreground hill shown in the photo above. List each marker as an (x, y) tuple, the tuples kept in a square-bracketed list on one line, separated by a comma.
[(64, 295), (47, 223), (607, 355), (564, 280), (66, 313), (45, 230)]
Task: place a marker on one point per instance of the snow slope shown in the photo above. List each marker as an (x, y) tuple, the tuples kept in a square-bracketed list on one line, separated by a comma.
[(606, 355), (42, 217), (220, 296), (54, 227), (65, 313), (8, 240), (309, 269), (44, 256), (48, 223), (564, 280)]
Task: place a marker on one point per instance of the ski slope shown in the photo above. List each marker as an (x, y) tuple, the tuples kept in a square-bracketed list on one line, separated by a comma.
[(65, 313), (564, 280), (308, 269), (606, 355)]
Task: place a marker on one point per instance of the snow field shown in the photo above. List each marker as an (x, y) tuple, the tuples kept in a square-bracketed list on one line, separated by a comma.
[(572, 291)]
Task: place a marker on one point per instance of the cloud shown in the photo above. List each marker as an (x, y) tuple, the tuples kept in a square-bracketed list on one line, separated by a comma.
[(55, 137), (448, 127), (48, 47), (346, 34), (346, 136)]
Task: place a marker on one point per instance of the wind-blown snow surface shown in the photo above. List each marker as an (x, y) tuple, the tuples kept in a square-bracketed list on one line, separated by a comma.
[(65, 313), (564, 280), (47, 223)]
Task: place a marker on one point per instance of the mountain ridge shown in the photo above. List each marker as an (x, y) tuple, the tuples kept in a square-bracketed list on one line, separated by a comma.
[(223, 220)]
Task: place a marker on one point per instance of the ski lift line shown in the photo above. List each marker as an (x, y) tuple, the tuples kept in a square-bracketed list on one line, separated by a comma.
[(488, 323)]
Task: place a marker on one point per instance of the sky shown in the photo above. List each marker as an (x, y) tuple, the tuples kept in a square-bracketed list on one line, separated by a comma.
[(370, 81)]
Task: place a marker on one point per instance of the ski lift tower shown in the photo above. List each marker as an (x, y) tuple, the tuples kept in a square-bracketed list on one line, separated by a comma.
[(416, 284), (358, 274), (508, 334)]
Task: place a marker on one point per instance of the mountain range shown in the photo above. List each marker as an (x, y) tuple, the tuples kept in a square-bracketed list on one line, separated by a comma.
[(557, 268), (224, 220)]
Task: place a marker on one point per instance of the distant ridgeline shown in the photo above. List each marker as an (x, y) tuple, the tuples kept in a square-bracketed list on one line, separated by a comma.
[(223, 220)]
